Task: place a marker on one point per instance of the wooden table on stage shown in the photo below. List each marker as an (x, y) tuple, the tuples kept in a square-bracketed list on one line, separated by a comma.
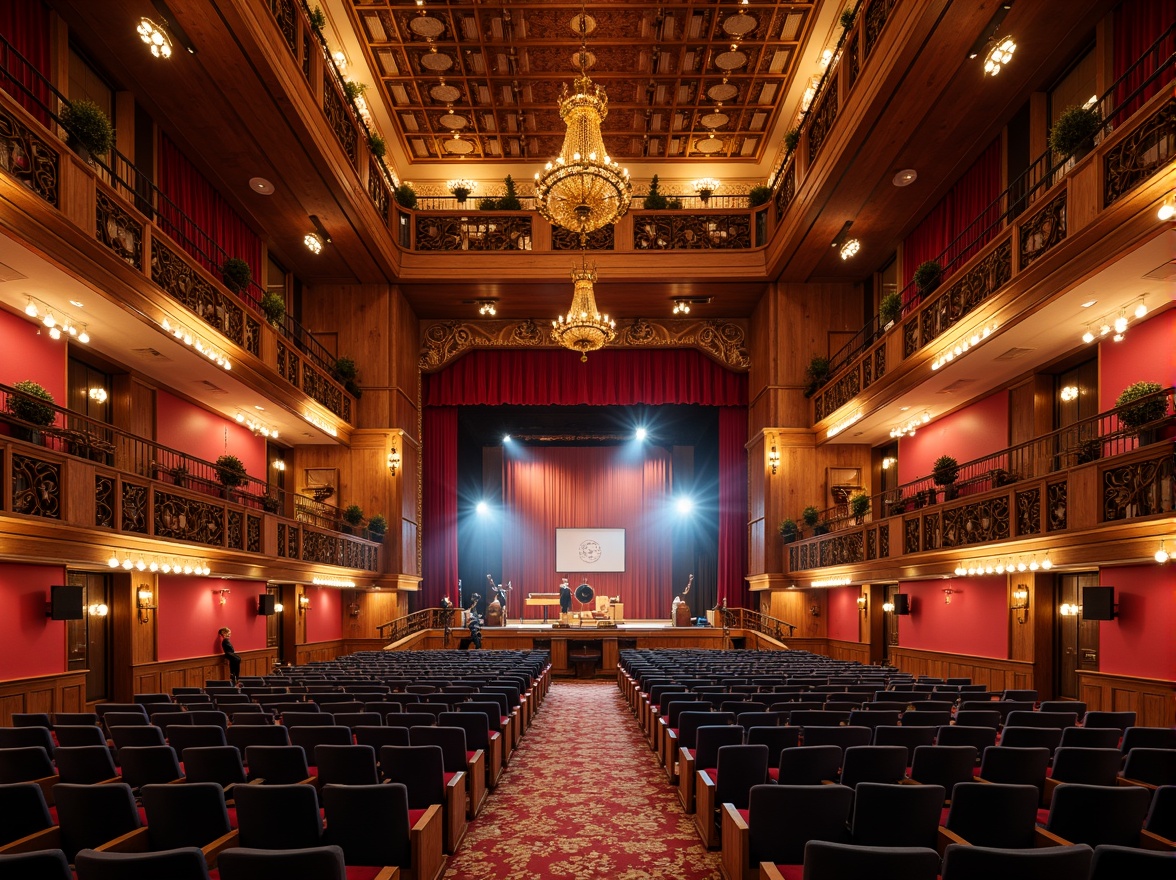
[(542, 599)]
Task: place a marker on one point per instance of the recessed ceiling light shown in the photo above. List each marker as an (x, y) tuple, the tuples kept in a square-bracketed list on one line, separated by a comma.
[(261, 186), (1089, 303), (75, 304), (906, 177), (258, 407), (903, 408)]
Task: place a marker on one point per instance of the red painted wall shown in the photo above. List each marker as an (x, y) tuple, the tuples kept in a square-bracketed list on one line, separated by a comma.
[(844, 614), (30, 643), (975, 623), (972, 432), (324, 620), (200, 433), (1142, 640), (1147, 354), (190, 614), (26, 354)]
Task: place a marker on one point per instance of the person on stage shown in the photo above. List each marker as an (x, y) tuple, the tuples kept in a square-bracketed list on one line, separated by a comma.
[(565, 596), (475, 623)]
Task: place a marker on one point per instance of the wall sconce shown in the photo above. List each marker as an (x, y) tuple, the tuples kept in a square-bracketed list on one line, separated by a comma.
[(393, 459), (705, 187), (279, 607), (815, 610), (98, 609), (223, 592), (1020, 603), (773, 459), (888, 607), (143, 601), (1162, 554), (98, 394), (861, 603), (303, 603), (948, 593), (1067, 610)]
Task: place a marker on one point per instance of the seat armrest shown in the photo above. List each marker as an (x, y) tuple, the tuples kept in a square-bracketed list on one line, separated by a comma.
[(947, 836), (1041, 837), (213, 850), (47, 783), (736, 844), (1123, 780), (1151, 840), (49, 838), (426, 835), (132, 842), (768, 871)]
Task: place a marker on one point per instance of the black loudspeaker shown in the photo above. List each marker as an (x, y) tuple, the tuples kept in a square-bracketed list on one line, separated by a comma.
[(902, 603), (1098, 603), (65, 603), (266, 603)]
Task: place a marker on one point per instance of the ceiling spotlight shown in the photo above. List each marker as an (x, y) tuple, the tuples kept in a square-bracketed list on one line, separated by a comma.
[(31, 308), (905, 177), (640, 434), (681, 307), (1168, 209), (313, 243), (1000, 55), (1088, 337), (850, 248), (1121, 323), (1141, 309), (155, 37)]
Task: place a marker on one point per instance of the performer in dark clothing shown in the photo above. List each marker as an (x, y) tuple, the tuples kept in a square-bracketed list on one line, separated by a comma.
[(475, 623), (233, 657), (565, 597)]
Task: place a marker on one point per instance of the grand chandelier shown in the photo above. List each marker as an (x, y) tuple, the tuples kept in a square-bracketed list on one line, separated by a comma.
[(583, 328), (583, 189)]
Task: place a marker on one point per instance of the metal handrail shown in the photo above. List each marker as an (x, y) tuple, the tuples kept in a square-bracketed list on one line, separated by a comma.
[(1099, 436)]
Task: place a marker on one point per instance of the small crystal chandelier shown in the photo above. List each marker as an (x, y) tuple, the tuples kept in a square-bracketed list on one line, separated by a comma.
[(155, 37), (583, 328), (583, 189)]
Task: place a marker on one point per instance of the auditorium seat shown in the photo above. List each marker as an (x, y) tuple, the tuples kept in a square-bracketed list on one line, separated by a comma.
[(196, 735), (991, 814), (374, 827), (175, 864), (873, 764), (778, 822), (145, 765), (348, 764), (738, 768), (458, 758), (1078, 764), (1099, 718), (90, 815), (1160, 825), (837, 861), (79, 735), (1097, 814), (83, 765), (707, 741), (896, 815), (1091, 737), (986, 863), (47, 864), (220, 764), (304, 863), (24, 818), (421, 769), (1116, 862), (277, 764), (1150, 767)]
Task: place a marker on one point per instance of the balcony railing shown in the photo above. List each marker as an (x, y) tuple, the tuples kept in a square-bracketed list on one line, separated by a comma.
[(1020, 491), (1125, 165), (141, 487)]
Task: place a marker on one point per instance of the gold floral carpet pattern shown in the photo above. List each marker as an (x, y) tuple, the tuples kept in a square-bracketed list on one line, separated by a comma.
[(583, 798)]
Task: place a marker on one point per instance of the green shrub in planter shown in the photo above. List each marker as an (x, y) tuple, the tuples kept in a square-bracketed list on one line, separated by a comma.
[(230, 471), (318, 19), (945, 471), (1136, 416), (353, 514), (927, 276), (655, 201), (788, 530), (344, 369), (236, 274), (487, 203), (791, 139), (377, 145), (816, 373), (273, 305), (810, 516), (377, 527), (889, 309), (405, 196), (510, 201), (87, 128), (859, 505), (758, 195), (847, 18), (30, 410), (1074, 131), (353, 89)]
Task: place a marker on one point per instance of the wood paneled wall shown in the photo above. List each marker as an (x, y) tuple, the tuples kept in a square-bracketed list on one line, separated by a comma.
[(994, 673), (366, 609), (1153, 700), (796, 607), (854, 652), (159, 678), (64, 692)]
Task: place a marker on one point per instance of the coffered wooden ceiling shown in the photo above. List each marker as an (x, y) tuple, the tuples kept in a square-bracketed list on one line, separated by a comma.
[(686, 79)]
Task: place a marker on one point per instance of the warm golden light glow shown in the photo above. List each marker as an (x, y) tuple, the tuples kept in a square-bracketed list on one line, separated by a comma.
[(583, 328)]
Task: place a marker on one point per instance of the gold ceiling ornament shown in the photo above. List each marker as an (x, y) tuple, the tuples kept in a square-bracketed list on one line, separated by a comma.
[(583, 189), (583, 328)]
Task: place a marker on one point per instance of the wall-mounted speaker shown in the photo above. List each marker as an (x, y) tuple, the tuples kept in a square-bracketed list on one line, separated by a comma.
[(1098, 603), (65, 603), (266, 603), (902, 603)]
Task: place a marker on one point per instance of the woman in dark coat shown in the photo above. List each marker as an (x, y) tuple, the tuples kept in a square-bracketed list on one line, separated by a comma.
[(233, 657)]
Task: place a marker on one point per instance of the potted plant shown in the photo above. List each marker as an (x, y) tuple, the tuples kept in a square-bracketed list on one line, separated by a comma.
[(897, 504), (179, 475), (377, 145), (944, 473), (1074, 130), (405, 196), (788, 530), (847, 18), (859, 506), (655, 201), (1002, 477), (30, 409), (1151, 407), (273, 304), (816, 372), (353, 516), (230, 471), (236, 274), (461, 189), (810, 516), (345, 372), (353, 89), (510, 201), (377, 527), (758, 195), (889, 309), (88, 129), (271, 502), (487, 203), (674, 204), (791, 139), (1090, 450), (927, 276), (318, 19)]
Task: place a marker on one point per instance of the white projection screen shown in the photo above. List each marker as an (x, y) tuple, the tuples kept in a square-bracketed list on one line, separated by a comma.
[(588, 550)]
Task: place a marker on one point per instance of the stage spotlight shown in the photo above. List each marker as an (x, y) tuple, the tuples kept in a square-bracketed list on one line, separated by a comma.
[(640, 434), (482, 508), (685, 506), (506, 438)]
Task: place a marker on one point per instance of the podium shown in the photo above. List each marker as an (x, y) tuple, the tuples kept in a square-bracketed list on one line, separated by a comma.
[(682, 615)]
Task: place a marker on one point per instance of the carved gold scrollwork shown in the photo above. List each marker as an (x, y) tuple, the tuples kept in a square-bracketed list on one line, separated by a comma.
[(1141, 154), (442, 342), (36, 487), (1029, 512), (976, 522), (28, 158), (602, 239), (822, 119), (186, 519), (104, 501), (134, 508), (1139, 488), (910, 535), (876, 15), (786, 192), (118, 231), (339, 119), (1057, 505)]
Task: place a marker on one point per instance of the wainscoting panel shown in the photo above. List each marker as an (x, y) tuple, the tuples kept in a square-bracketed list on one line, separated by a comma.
[(993, 673), (1153, 700)]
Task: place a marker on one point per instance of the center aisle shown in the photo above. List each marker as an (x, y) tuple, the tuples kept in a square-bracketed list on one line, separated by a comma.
[(583, 797)]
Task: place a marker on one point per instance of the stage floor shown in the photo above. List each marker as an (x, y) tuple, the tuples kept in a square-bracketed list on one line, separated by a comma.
[(532, 626)]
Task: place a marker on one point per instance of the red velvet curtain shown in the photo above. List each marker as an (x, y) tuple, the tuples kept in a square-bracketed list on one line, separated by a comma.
[(557, 378), (732, 584), (545, 488), (24, 24), (199, 218), (1137, 24), (439, 507), (963, 221)]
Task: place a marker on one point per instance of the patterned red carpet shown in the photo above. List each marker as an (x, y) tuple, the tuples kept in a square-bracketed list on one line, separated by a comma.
[(583, 798)]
